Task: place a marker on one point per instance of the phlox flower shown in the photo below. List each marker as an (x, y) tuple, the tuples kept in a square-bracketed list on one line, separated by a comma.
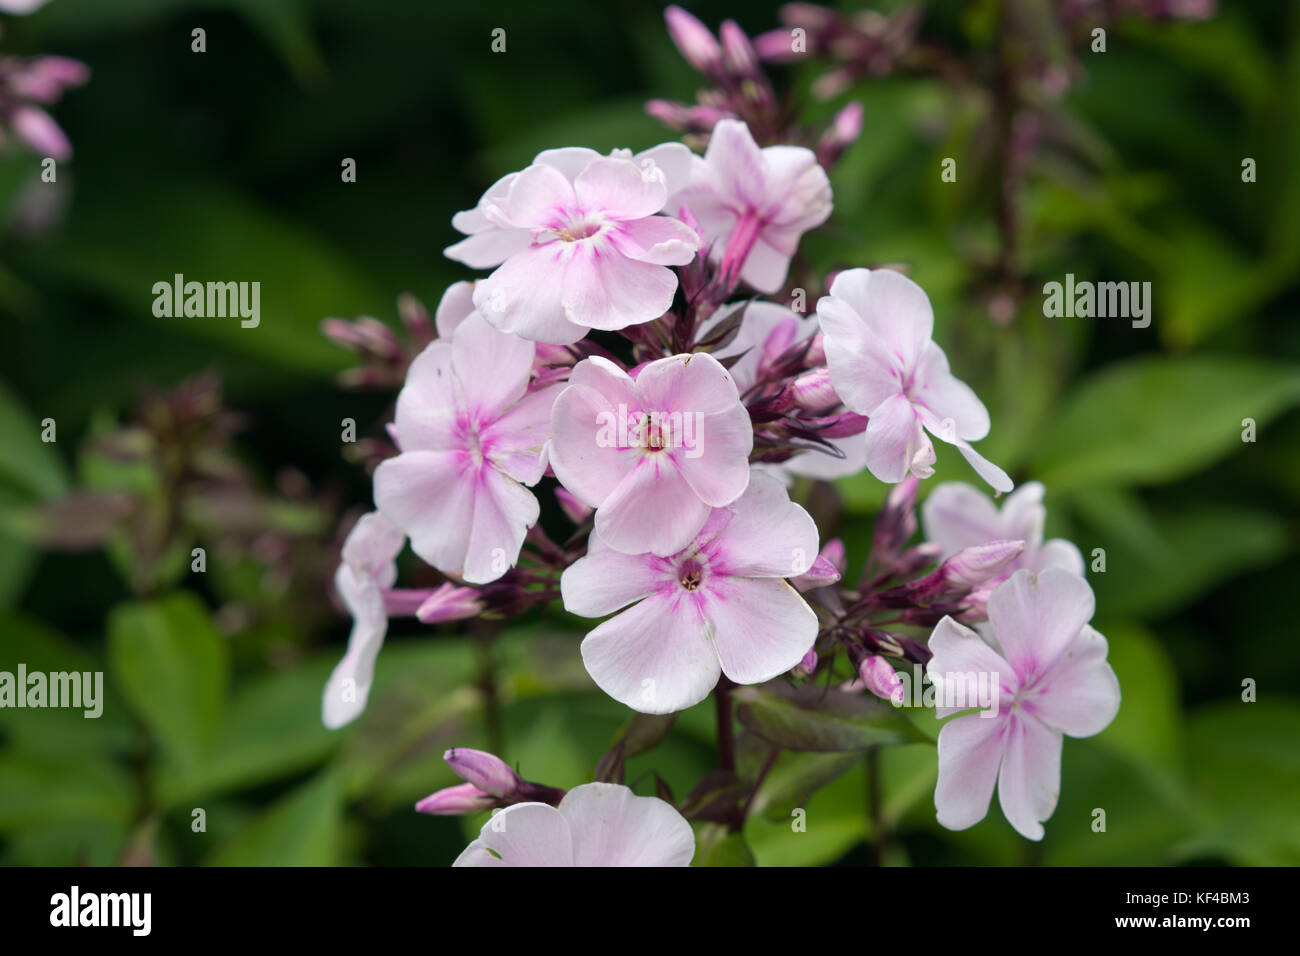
[(753, 204), (577, 243), (719, 606), (766, 331), (957, 516), (367, 569), (596, 824), (471, 436), (876, 325), (1052, 679), (651, 453)]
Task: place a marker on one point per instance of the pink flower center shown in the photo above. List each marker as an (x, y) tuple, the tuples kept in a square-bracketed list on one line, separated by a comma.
[(579, 229), (690, 574)]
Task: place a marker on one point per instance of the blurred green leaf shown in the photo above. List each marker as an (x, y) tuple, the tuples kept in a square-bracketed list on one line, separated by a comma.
[(1156, 419), (171, 664), (715, 845), (303, 828), (36, 790)]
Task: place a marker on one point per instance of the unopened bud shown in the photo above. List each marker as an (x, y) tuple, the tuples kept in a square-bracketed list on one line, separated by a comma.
[(694, 41), (881, 678), (488, 772), (453, 801)]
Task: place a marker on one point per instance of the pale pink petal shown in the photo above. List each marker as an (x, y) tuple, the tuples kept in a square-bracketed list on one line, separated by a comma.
[(893, 307), (1057, 553), (489, 248), (863, 370), (891, 439), (470, 221), (768, 262), (715, 463), (454, 308), (492, 367), (603, 289), (1037, 617), (503, 512), (612, 826), (694, 383), (428, 402), (960, 657), (348, 688), (1023, 514), (800, 188), (957, 515), (950, 399), (768, 536), (652, 509), (605, 580), (524, 296), (583, 449), (656, 239), (998, 479), (655, 657), (827, 467), (372, 546), (426, 495), (526, 834), (736, 165), (539, 197), (619, 189), (1080, 694), (970, 750), (39, 130), (673, 159), (516, 440), (1029, 782), (761, 626), (569, 160)]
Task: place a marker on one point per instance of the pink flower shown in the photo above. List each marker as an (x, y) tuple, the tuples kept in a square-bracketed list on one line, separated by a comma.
[(719, 606), (754, 204), (880, 678), (471, 436), (766, 331), (958, 516), (41, 79), (1048, 676), (367, 570), (577, 243), (596, 824), (652, 454), (877, 326)]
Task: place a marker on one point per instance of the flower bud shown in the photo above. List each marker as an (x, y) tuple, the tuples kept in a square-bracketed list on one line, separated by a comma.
[(487, 772), (449, 603), (813, 390), (881, 678), (462, 798), (694, 41), (808, 665)]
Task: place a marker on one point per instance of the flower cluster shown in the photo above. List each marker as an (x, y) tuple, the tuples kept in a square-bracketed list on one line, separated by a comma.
[(618, 366)]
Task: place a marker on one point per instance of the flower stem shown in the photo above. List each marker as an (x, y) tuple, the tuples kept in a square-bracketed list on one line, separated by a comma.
[(726, 733)]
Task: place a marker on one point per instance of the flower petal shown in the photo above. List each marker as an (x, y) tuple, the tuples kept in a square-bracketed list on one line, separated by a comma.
[(524, 295), (604, 289), (491, 366), (526, 834), (515, 441), (489, 248), (586, 458), (1080, 695), (348, 687), (687, 383), (605, 580), (652, 509), (768, 536), (503, 512), (761, 626), (894, 308), (714, 458), (655, 657), (539, 197), (948, 397), (1029, 782), (612, 826), (656, 239), (426, 406), (620, 189), (429, 496), (891, 439), (970, 750), (960, 657), (1037, 617), (957, 515)]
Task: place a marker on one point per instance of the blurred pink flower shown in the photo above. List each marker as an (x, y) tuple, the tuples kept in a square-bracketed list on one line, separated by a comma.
[(28, 81)]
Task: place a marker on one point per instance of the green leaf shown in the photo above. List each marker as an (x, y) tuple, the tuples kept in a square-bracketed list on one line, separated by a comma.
[(795, 777), (36, 790), (1156, 419), (814, 718), (303, 828), (715, 845), (171, 664)]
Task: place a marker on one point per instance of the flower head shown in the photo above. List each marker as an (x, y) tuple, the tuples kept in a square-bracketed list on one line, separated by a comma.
[(754, 203), (876, 326), (367, 569), (577, 243), (596, 824), (719, 606), (652, 454), (1048, 675), (471, 435)]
